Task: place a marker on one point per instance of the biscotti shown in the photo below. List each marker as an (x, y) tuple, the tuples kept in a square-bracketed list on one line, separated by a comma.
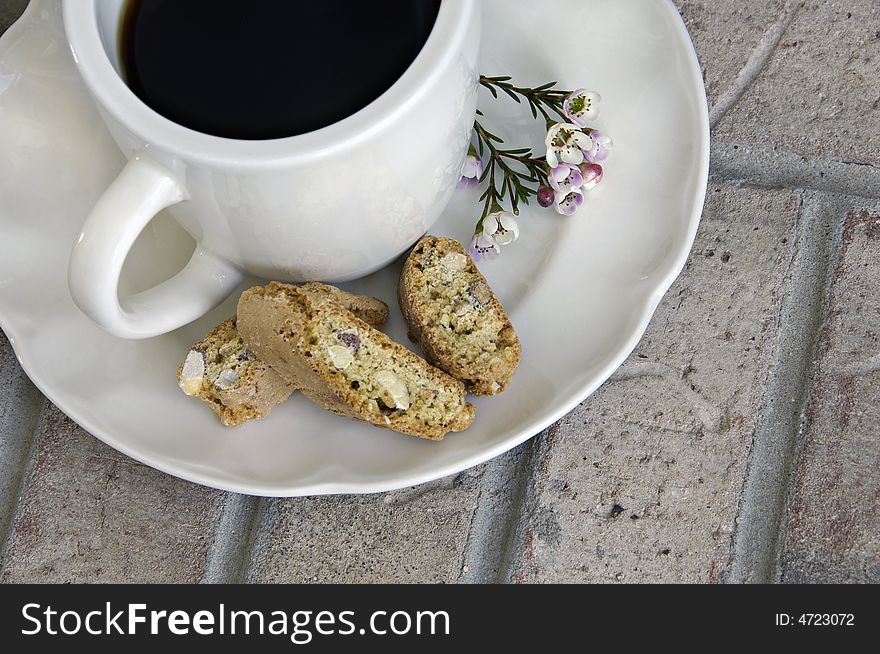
[(222, 371), (451, 311), (346, 366), (239, 387)]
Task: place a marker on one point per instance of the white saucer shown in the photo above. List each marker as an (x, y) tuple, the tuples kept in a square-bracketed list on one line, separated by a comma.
[(580, 290)]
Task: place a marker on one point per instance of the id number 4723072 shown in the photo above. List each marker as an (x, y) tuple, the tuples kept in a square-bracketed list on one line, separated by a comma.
[(816, 620)]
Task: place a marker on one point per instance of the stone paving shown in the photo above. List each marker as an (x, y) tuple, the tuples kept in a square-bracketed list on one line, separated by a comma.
[(739, 442)]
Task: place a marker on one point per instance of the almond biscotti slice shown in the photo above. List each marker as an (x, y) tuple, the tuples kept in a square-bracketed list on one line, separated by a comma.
[(346, 366), (451, 311), (223, 372)]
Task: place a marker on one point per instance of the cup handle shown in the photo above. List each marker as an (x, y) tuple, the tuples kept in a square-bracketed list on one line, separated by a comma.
[(141, 190)]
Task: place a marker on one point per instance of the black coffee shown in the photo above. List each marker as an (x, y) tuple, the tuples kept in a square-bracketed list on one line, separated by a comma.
[(263, 69)]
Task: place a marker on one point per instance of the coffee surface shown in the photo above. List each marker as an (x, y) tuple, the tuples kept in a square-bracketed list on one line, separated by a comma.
[(264, 69)]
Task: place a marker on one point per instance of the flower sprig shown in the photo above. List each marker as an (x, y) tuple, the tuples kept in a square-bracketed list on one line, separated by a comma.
[(570, 167)]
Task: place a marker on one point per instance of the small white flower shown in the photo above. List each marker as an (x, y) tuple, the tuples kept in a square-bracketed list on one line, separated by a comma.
[(598, 152), (565, 177), (500, 227), (581, 106), (565, 143), (567, 203), (483, 248), (471, 171)]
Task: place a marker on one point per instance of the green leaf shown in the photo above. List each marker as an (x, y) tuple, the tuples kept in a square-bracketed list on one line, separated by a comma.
[(492, 136)]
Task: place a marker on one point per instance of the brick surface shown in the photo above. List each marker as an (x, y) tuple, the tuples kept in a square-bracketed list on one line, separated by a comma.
[(641, 482), (416, 535), (833, 530), (91, 514), (819, 93), (724, 34)]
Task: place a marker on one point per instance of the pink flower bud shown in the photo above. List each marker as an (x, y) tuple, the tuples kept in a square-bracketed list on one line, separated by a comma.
[(545, 196), (592, 174)]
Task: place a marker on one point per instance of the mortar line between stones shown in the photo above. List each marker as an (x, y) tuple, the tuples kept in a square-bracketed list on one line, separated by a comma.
[(771, 168), (490, 547), (756, 61), (26, 463), (843, 205), (248, 566), (517, 542), (757, 539), (229, 552), (254, 562)]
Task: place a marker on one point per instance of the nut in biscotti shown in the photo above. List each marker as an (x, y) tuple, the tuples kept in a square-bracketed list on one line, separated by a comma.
[(452, 312), (377, 380)]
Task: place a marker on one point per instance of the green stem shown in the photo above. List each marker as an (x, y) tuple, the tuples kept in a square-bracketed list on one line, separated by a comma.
[(519, 185), (540, 98)]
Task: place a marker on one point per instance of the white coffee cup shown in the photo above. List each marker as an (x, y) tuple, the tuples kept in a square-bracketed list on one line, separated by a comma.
[(333, 205)]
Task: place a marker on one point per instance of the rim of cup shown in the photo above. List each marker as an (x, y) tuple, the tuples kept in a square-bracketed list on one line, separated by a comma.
[(440, 52)]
